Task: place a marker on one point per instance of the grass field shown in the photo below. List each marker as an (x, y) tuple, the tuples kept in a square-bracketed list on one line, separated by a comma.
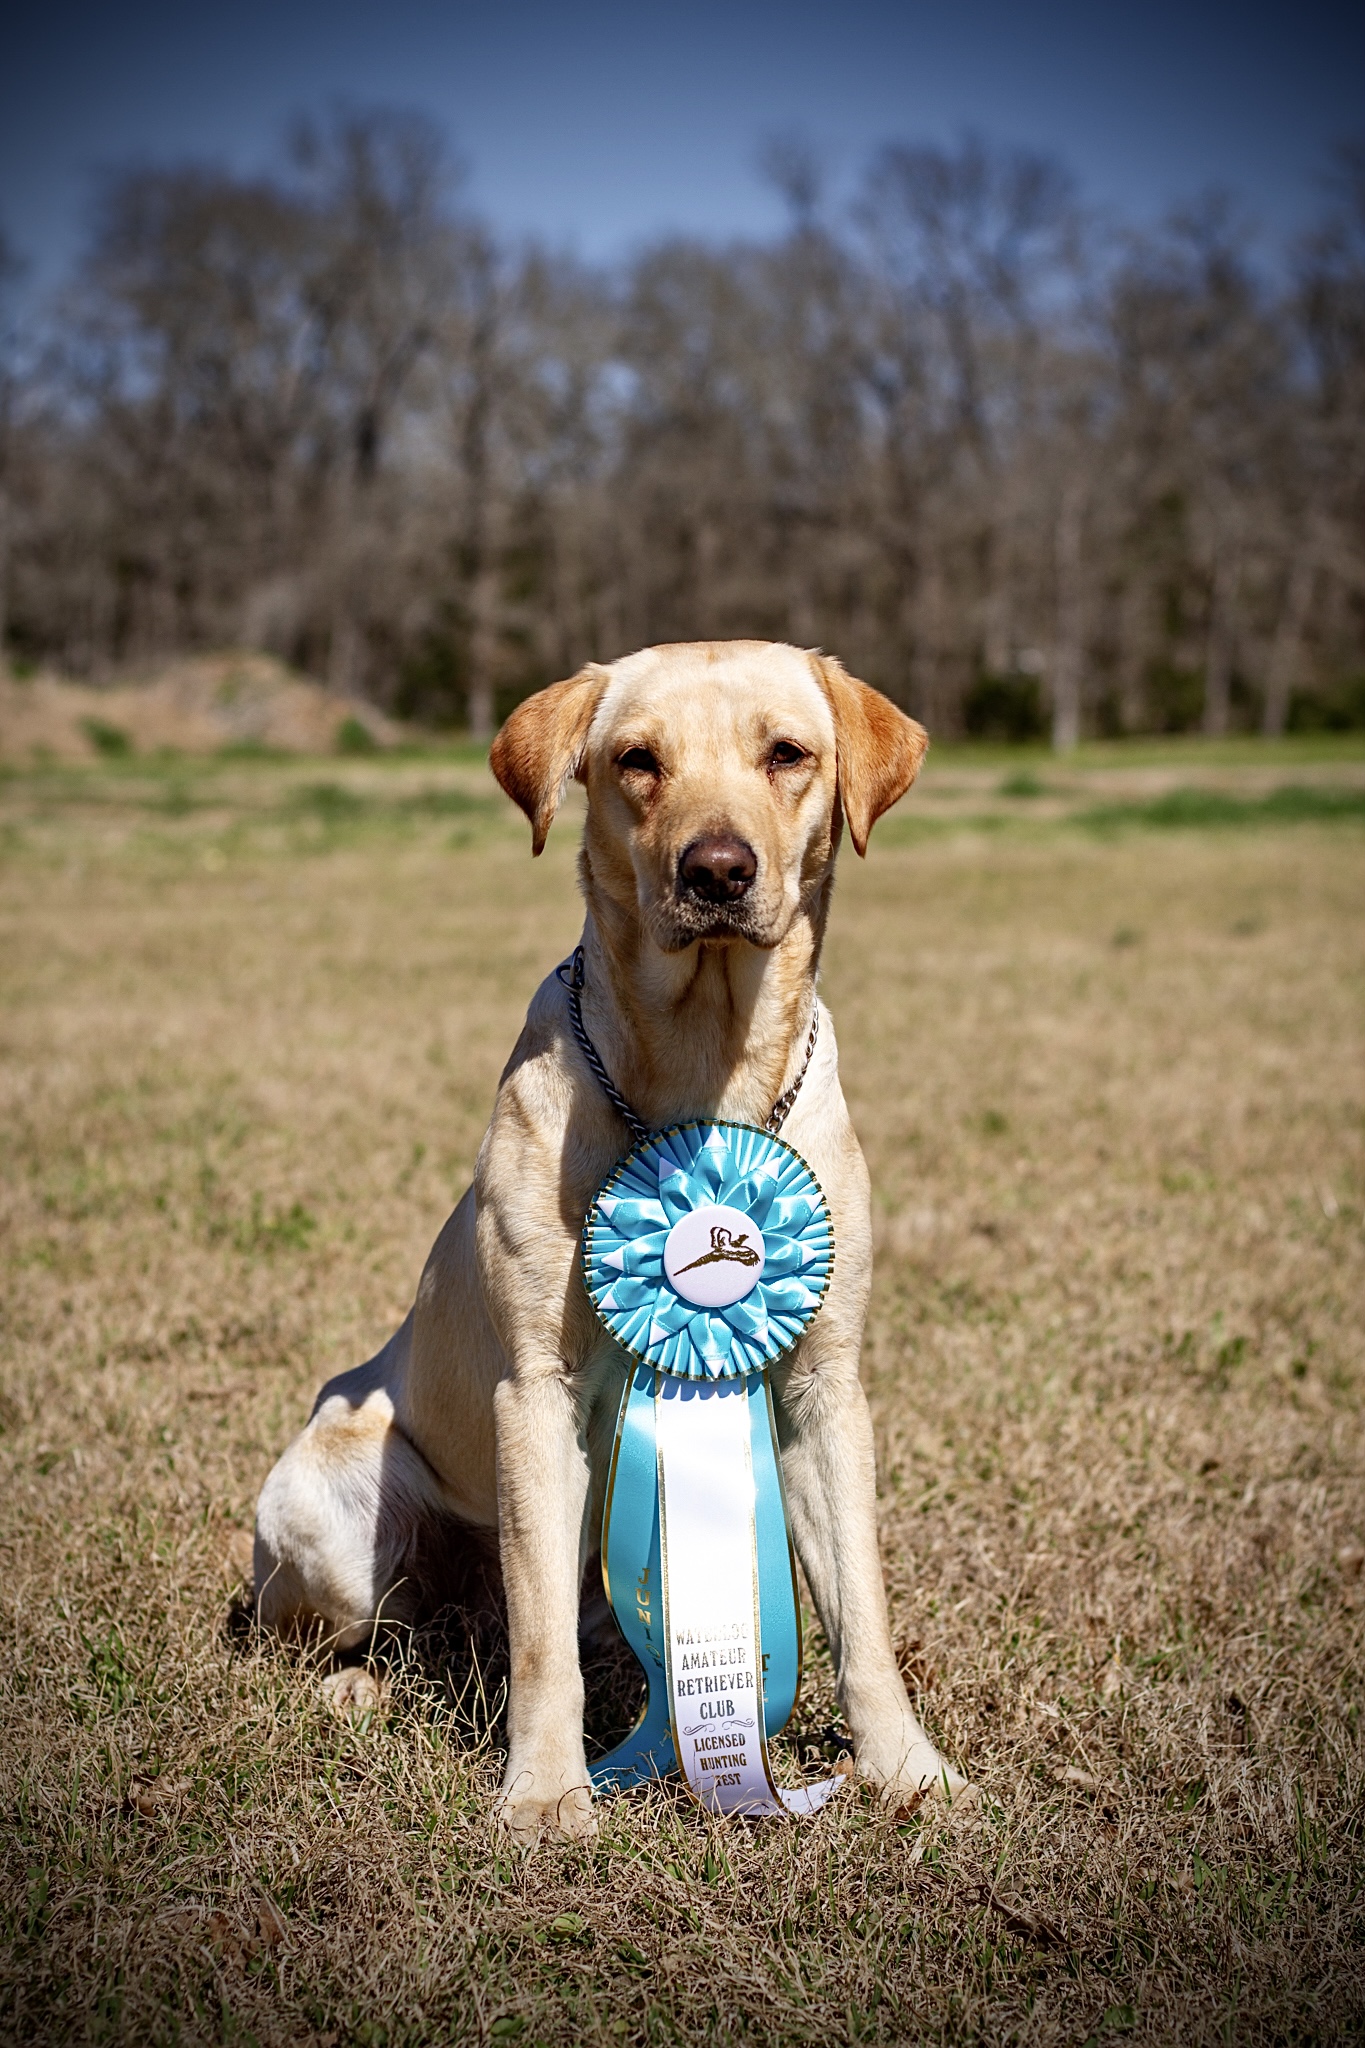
[(1103, 1035)]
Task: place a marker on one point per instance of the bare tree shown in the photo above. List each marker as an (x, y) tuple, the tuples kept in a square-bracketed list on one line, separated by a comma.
[(1283, 669), (976, 253), (1068, 649)]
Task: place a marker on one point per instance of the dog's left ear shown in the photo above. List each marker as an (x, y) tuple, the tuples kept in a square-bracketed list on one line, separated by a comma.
[(541, 745), (879, 748)]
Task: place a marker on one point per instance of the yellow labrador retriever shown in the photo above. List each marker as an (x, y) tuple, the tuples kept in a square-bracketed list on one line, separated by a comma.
[(719, 779)]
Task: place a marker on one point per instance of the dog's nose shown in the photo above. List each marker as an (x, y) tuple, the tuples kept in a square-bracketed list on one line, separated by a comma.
[(720, 870)]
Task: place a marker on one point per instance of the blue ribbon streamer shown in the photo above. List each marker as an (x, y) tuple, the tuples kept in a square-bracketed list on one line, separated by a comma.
[(632, 1573)]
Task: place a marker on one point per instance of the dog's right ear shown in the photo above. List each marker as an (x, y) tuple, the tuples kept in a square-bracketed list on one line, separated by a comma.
[(541, 745)]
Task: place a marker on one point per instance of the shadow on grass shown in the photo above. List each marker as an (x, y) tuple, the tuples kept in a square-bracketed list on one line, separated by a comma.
[(461, 1654), (454, 1665), (454, 1659)]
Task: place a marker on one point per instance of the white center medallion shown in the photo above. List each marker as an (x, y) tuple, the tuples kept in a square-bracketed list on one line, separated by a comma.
[(714, 1256)]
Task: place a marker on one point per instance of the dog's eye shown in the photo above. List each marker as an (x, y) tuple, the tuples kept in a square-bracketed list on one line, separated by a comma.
[(786, 754), (638, 760)]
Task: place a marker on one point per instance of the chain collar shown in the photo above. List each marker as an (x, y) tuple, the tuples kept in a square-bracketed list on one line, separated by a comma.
[(571, 973)]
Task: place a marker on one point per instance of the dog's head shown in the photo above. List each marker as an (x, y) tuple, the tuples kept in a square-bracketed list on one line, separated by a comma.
[(717, 775)]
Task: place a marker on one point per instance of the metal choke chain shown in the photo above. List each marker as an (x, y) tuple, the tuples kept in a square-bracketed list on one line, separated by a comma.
[(777, 1115), (571, 973)]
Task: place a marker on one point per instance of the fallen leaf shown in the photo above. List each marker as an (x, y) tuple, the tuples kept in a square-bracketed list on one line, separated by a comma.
[(154, 1798), (1021, 1919), (227, 1942), (269, 1924), (915, 1667)]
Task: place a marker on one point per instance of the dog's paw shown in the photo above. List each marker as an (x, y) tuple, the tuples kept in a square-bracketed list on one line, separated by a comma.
[(531, 1807), (932, 1775), (918, 1773), (353, 1692)]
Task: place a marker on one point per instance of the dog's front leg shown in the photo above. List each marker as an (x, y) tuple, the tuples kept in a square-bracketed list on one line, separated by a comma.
[(828, 1468), (543, 1475)]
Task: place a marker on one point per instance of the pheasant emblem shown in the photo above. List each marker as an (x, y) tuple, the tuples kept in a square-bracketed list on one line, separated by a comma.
[(734, 1250)]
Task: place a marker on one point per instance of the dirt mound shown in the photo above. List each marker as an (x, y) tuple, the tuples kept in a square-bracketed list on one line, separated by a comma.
[(195, 706)]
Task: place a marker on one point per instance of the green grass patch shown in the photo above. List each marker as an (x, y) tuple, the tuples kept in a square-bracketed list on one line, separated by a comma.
[(1201, 809), (1188, 751), (109, 740), (353, 737), (337, 804)]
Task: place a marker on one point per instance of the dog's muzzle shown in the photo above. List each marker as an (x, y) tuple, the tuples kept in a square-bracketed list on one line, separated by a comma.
[(713, 892)]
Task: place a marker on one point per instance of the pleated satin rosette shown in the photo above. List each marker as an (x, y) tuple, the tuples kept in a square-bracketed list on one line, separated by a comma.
[(709, 1251)]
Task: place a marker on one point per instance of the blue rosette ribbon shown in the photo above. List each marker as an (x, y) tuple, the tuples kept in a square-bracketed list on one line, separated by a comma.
[(704, 1168), (706, 1255)]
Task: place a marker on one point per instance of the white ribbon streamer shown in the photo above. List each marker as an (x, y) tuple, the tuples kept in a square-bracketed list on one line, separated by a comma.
[(711, 1607)]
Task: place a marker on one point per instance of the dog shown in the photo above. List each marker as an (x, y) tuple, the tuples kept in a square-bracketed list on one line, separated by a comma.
[(720, 777)]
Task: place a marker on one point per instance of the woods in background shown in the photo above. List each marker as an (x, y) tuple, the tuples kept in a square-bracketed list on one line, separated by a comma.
[(1024, 471)]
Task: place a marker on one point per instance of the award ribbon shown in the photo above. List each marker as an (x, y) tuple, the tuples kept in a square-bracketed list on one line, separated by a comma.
[(706, 1254)]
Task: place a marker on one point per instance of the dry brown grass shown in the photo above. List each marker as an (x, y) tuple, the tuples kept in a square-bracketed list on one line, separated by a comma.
[(1112, 1090)]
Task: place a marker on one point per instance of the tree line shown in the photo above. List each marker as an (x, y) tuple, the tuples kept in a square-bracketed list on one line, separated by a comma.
[(1025, 469)]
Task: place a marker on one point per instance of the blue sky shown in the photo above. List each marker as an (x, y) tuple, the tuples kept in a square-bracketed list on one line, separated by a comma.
[(599, 125)]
